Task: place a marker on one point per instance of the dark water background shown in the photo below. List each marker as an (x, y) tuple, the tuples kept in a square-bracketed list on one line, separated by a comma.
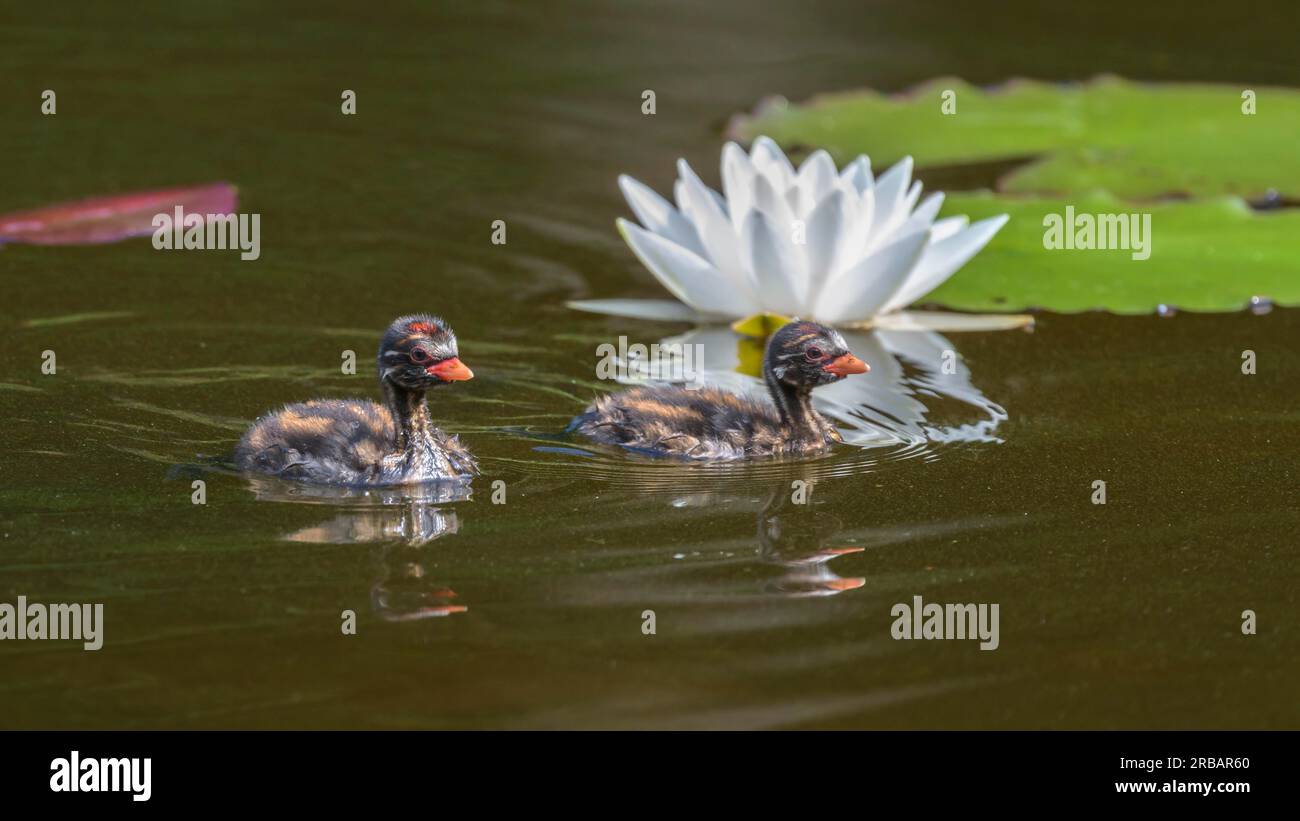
[(528, 614)]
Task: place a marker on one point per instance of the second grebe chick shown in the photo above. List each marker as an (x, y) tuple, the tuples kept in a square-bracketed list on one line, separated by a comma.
[(359, 442), (714, 424)]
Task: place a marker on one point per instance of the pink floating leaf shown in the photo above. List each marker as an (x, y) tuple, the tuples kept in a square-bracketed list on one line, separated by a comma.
[(110, 219)]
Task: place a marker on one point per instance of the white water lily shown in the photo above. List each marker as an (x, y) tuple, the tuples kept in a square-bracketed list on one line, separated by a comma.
[(838, 246)]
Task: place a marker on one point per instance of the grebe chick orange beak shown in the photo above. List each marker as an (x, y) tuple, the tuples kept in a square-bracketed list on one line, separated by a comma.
[(846, 364), (451, 370)]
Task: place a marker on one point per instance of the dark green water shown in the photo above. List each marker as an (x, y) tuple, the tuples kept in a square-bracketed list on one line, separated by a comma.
[(529, 613)]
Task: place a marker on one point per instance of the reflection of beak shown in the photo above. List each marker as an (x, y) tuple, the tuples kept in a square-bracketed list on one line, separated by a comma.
[(846, 365), (840, 585), (425, 613), (451, 370), (843, 551)]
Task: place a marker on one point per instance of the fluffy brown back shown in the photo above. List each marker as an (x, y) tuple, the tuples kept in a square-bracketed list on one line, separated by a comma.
[(322, 440), (703, 424)]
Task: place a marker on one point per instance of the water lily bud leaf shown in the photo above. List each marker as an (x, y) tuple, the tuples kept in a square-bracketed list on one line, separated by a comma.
[(749, 355), (759, 326)]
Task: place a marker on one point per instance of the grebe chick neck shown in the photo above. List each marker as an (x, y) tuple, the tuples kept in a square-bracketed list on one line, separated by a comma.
[(793, 404), (417, 354), (410, 410)]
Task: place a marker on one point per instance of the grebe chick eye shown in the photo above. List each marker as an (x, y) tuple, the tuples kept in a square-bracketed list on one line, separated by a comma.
[(714, 424), (359, 442)]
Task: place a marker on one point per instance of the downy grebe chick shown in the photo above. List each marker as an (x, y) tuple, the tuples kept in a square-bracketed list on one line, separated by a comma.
[(359, 442), (713, 424)]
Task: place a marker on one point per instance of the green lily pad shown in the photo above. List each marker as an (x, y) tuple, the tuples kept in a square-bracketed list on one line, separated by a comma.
[(1137, 140), (1206, 255)]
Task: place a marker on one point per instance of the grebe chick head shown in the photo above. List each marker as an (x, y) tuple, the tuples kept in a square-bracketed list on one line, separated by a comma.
[(804, 355), (419, 352)]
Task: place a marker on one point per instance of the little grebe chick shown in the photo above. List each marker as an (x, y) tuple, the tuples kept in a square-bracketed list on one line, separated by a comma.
[(359, 442), (713, 424)]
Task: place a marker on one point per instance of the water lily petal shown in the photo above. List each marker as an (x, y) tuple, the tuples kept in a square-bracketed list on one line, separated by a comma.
[(719, 201), (770, 161), (814, 181), (942, 259), (947, 321), (856, 243), (775, 263), (667, 310), (712, 225), (828, 236), (818, 173), (860, 291), (685, 274), (913, 194), (858, 173), (949, 226), (795, 199), (737, 183), (658, 215), (891, 192), (923, 216), (772, 203)]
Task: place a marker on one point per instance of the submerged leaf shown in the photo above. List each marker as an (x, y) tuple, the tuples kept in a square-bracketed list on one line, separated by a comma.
[(113, 218)]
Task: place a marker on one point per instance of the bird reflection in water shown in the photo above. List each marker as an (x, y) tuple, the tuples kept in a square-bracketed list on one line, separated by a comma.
[(792, 536), (403, 519), (796, 537)]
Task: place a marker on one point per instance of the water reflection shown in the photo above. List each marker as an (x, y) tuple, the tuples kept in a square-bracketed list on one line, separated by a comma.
[(912, 372), (779, 543), (404, 593), (797, 538), (404, 520), (271, 489)]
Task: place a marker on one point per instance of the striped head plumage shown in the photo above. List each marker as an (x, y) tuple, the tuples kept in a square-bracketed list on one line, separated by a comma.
[(805, 355), (419, 352)]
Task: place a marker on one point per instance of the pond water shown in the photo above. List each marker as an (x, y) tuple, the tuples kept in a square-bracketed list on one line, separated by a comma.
[(529, 613)]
